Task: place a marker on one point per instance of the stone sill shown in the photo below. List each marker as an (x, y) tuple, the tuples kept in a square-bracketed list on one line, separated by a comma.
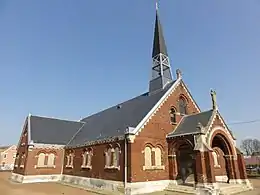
[(216, 166), (112, 167), (162, 167), (21, 166), (69, 167), (86, 167), (45, 167), (172, 123)]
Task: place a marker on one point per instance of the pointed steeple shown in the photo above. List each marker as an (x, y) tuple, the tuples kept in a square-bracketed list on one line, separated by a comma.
[(161, 69), (159, 45)]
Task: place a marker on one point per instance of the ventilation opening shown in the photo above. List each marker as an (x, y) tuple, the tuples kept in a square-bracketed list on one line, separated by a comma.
[(119, 106)]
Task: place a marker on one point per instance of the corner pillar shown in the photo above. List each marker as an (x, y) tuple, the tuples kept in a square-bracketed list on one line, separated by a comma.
[(242, 171), (241, 167), (230, 168), (205, 180), (173, 169), (204, 171)]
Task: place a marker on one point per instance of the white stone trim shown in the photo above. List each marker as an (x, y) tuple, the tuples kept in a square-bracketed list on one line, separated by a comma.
[(158, 105), (47, 146), (149, 186), (35, 178), (221, 178), (155, 167), (93, 183), (189, 95), (227, 132)]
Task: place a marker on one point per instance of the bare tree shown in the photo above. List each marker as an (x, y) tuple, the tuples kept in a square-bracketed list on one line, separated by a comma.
[(250, 146)]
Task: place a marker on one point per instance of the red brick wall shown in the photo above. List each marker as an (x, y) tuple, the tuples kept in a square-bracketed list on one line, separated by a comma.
[(220, 171), (98, 163), (22, 149), (32, 159), (154, 133)]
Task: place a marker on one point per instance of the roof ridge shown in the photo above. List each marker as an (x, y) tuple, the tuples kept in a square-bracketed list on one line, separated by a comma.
[(46, 117)]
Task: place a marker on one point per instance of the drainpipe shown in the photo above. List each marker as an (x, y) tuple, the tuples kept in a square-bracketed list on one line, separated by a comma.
[(125, 179), (62, 162)]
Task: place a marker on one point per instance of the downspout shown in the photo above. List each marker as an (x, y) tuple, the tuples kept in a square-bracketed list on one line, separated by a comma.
[(62, 163), (125, 179)]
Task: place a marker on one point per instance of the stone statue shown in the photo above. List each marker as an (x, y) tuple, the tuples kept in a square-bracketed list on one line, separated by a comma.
[(178, 73), (214, 99)]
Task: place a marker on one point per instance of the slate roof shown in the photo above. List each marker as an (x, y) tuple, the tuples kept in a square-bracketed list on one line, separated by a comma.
[(114, 121), (189, 124), (52, 131)]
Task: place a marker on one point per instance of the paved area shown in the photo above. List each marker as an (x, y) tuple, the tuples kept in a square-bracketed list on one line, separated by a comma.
[(9, 188)]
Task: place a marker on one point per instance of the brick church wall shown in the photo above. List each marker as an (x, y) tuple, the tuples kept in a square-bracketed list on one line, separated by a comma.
[(98, 169), (22, 150), (32, 159), (154, 133)]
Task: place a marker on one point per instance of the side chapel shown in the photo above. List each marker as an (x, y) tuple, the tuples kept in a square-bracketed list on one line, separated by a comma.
[(157, 140)]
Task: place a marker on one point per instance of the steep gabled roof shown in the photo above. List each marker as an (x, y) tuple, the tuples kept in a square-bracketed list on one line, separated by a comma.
[(52, 131), (114, 121), (189, 124)]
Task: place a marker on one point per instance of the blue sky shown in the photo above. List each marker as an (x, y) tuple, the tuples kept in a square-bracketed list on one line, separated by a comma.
[(68, 59)]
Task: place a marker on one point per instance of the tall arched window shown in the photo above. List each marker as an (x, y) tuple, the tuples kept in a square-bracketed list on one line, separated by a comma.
[(215, 159), (116, 156), (51, 159), (89, 155), (158, 156), (87, 158), (108, 154), (70, 159), (182, 105), (147, 156), (41, 160), (173, 115)]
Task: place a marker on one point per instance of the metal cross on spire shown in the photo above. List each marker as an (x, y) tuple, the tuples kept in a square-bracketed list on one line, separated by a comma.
[(156, 4)]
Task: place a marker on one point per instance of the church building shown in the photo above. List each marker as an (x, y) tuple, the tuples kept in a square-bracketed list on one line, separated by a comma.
[(159, 140)]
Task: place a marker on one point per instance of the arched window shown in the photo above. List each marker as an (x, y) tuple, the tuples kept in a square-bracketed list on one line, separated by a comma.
[(87, 158), (89, 161), (70, 159), (84, 158), (108, 155), (182, 106), (215, 159), (147, 156), (51, 160), (158, 156), (173, 115), (41, 160), (116, 156)]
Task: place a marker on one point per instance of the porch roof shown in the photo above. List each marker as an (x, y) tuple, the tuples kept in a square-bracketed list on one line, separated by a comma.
[(189, 124)]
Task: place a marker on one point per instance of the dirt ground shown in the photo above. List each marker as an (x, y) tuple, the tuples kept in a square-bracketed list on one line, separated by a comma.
[(9, 188)]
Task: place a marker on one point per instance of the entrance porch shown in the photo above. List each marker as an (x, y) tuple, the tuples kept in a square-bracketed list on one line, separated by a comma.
[(206, 168)]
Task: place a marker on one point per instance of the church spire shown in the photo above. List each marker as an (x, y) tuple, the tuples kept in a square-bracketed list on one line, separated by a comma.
[(161, 70)]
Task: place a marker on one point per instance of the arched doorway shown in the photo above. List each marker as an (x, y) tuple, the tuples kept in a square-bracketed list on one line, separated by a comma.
[(185, 162), (222, 151)]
